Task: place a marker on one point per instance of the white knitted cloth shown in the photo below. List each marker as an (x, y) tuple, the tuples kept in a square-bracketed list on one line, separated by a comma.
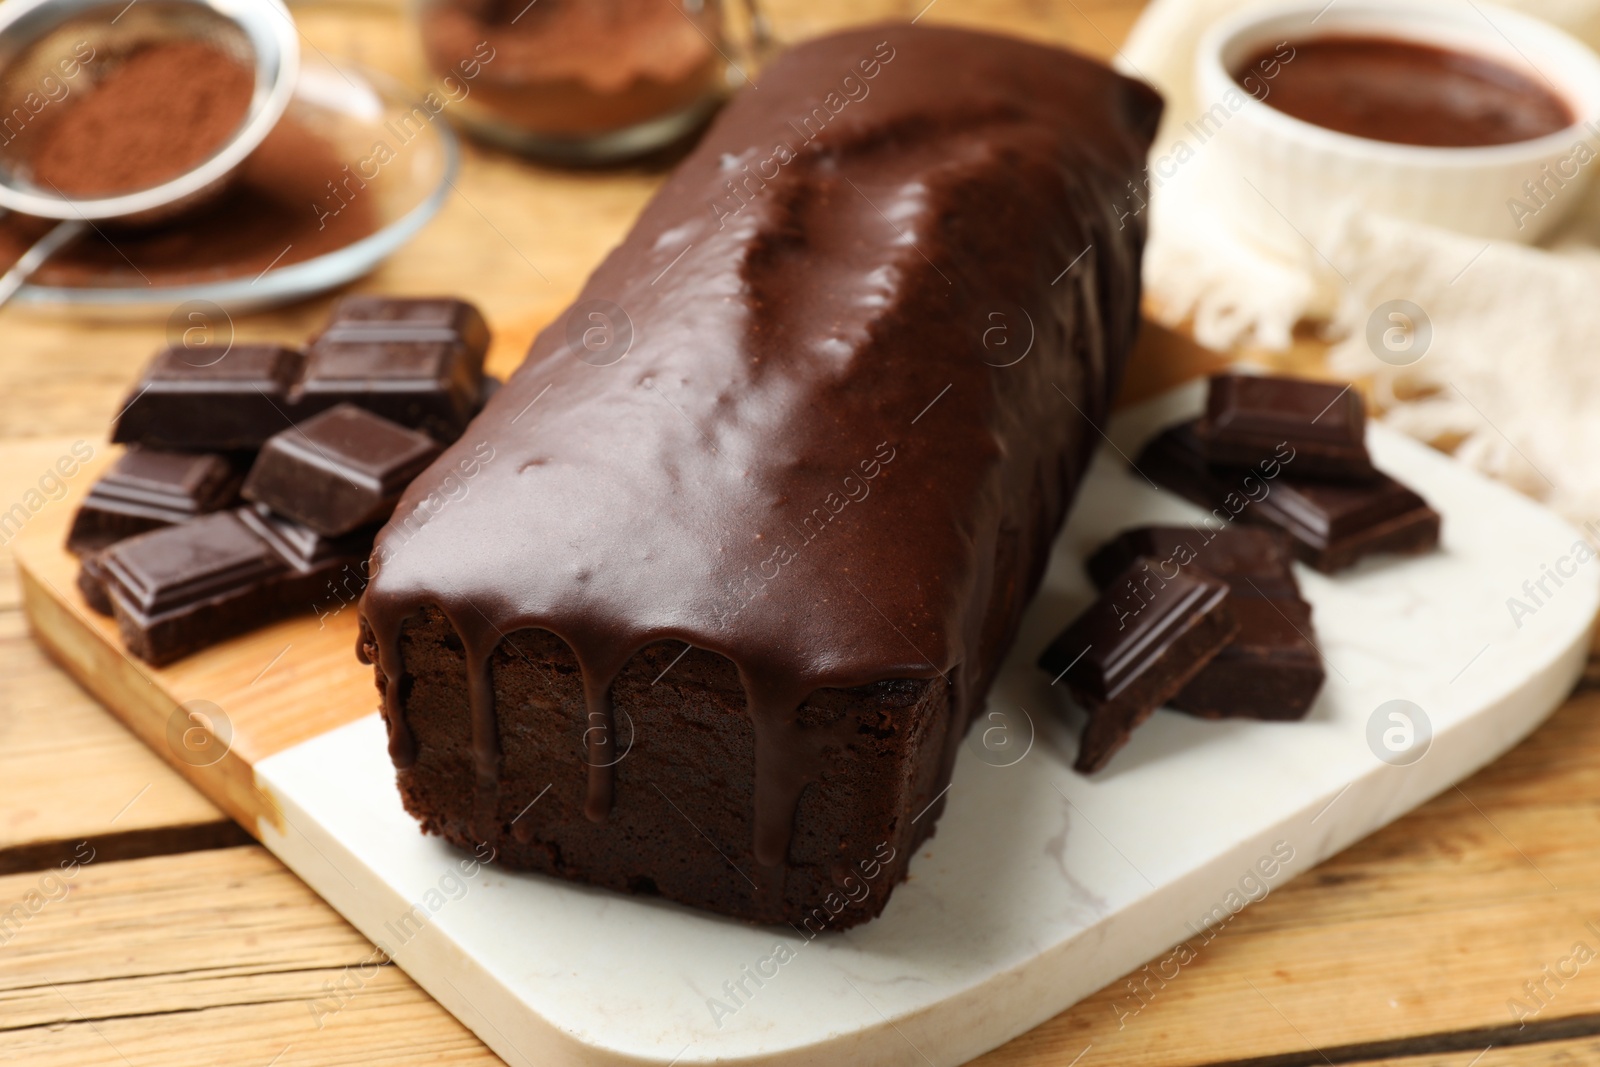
[(1511, 376)]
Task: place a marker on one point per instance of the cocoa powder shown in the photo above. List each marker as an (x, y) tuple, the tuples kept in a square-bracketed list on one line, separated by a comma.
[(161, 112), (573, 68), (265, 217)]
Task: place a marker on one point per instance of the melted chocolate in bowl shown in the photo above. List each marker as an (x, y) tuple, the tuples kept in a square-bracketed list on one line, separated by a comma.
[(1386, 89)]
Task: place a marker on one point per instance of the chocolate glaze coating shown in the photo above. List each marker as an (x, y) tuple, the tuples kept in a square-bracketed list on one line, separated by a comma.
[(783, 439)]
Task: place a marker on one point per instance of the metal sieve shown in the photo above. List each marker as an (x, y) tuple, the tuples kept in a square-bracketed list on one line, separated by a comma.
[(40, 40)]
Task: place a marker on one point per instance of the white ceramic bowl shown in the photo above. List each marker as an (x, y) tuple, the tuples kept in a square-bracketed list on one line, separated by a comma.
[(1292, 181)]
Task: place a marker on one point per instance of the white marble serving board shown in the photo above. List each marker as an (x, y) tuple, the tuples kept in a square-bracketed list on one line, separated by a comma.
[(1040, 886)]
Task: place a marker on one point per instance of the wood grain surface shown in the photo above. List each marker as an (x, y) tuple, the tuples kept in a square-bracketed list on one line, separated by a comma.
[(176, 944)]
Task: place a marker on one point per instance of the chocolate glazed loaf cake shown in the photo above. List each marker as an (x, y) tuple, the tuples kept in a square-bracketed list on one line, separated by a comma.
[(703, 601)]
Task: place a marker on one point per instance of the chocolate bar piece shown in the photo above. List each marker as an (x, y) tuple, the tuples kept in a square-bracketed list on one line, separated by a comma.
[(1272, 669), (386, 318), (1252, 558), (92, 583), (236, 402), (333, 570), (340, 470), (300, 546), (147, 488), (1248, 418), (416, 362), (1332, 524), (182, 588), (1135, 647)]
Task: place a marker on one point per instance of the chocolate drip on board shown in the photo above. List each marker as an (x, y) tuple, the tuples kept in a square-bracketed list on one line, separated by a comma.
[(804, 455)]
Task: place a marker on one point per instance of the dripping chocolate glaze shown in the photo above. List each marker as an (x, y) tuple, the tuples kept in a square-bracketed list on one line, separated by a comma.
[(813, 295)]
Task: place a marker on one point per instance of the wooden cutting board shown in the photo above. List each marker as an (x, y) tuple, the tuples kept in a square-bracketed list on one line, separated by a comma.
[(216, 714)]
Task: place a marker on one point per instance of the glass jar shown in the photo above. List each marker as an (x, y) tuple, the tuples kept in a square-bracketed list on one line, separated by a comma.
[(582, 81)]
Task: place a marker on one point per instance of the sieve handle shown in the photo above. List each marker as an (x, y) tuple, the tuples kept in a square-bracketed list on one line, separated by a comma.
[(63, 234)]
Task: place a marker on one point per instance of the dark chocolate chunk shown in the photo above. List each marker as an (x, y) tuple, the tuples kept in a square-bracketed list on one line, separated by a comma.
[(182, 588), (1333, 524), (1271, 669), (236, 402), (1248, 557), (385, 318), (299, 545), (92, 583), (416, 362), (333, 569), (147, 488), (1248, 418), (1135, 647), (340, 470)]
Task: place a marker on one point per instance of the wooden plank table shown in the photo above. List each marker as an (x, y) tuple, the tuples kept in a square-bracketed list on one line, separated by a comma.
[(169, 938)]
